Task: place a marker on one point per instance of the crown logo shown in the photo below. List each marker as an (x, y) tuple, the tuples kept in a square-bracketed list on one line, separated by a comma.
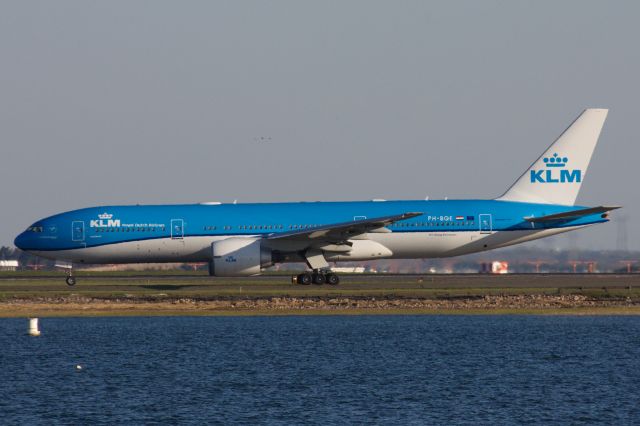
[(105, 216), (555, 161)]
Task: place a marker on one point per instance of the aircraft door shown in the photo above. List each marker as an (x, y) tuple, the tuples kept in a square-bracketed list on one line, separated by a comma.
[(77, 230), (485, 223), (177, 229)]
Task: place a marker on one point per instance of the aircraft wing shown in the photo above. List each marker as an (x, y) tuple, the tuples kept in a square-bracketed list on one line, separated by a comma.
[(574, 214), (344, 230)]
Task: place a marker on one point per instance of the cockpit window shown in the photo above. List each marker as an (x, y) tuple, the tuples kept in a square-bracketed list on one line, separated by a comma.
[(34, 229)]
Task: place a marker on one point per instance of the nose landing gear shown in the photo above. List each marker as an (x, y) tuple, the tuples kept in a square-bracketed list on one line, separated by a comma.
[(68, 268), (71, 280)]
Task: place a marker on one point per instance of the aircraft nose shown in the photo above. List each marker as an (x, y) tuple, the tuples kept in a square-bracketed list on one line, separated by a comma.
[(20, 241)]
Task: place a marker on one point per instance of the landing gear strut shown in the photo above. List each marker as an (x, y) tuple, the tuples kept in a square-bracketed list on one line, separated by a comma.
[(68, 268), (317, 277)]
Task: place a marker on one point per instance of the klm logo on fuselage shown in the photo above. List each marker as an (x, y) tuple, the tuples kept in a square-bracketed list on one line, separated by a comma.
[(104, 221), (555, 172)]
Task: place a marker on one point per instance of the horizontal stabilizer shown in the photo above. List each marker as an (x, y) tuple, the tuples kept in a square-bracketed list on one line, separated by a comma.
[(572, 214)]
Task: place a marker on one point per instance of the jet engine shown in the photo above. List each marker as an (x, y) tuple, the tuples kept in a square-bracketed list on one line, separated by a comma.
[(239, 257)]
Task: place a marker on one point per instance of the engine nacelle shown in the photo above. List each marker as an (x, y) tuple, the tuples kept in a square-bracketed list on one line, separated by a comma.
[(239, 257)]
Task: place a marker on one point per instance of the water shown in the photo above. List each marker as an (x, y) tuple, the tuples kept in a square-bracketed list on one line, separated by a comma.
[(322, 370)]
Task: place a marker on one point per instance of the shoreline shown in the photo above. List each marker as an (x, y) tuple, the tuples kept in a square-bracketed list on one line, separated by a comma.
[(357, 295), (535, 304)]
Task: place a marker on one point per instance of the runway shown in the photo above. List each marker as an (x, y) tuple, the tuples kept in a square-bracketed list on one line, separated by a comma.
[(86, 281)]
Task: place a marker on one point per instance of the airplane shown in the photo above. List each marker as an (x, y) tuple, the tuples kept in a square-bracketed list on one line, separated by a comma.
[(244, 239)]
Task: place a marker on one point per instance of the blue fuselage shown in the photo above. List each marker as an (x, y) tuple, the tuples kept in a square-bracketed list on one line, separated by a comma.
[(112, 225)]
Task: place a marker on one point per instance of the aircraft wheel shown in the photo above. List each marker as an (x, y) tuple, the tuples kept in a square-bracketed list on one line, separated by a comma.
[(333, 279), (71, 281), (318, 278), (304, 279)]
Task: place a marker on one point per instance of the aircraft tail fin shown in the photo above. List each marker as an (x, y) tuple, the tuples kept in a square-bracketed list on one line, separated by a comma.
[(557, 175)]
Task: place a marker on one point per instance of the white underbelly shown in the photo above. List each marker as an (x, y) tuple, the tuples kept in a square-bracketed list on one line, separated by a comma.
[(408, 245), (411, 245), (189, 249)]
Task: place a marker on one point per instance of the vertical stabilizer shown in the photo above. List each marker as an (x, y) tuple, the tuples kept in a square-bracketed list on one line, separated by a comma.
[(556, 177)]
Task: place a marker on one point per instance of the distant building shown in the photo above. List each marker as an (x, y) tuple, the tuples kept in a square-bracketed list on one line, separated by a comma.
[(495, 267), (499, 267), (9, 265)]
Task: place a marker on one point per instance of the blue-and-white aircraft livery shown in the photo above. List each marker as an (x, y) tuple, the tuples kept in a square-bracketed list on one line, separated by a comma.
[(243, 239)]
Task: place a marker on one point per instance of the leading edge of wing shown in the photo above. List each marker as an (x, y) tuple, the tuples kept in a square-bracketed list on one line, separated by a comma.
[(353, 227)]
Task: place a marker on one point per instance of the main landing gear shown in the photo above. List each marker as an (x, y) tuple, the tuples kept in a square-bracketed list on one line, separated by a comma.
[(320, 272), (317, 277)]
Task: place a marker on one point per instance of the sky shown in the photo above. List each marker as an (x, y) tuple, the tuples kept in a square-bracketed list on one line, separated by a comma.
[(150, 102)]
